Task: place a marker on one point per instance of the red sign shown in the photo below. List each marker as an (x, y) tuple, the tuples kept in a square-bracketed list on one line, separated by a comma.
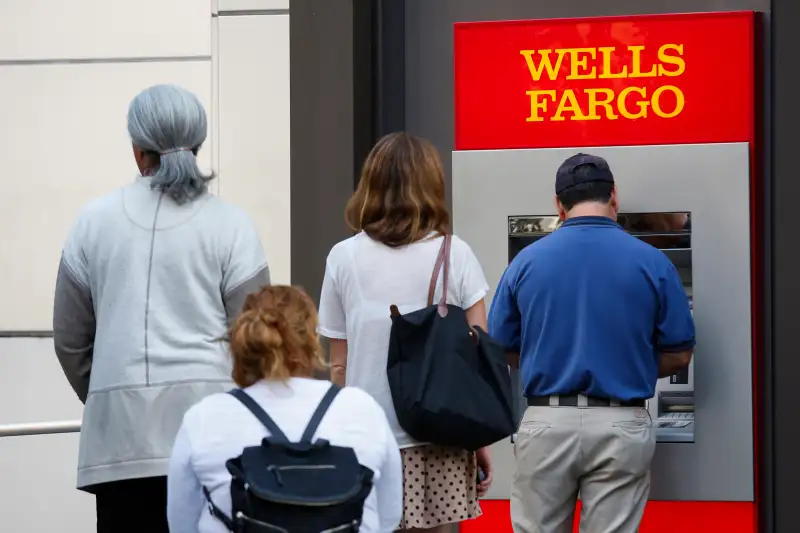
[(655, 79)]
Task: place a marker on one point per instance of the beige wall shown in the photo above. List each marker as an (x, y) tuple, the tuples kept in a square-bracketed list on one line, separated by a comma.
[(68, 71)]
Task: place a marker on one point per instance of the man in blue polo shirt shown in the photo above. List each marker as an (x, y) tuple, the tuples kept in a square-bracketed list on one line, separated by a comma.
[(593, 317)]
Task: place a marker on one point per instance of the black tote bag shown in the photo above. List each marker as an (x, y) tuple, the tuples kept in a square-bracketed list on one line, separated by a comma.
[(450, 382)]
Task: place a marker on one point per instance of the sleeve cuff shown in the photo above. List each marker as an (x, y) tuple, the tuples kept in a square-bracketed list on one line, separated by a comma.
[(680, 347), (332, 334), (476, 297)]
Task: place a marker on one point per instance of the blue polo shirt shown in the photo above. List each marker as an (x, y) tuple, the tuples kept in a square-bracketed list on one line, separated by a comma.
[(589, 308)]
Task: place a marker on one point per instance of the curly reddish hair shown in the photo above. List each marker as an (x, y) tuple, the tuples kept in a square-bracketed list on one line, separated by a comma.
[(275, 337)]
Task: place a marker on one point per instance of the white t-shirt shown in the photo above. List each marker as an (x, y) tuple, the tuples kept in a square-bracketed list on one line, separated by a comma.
[(363, 278), (219, 427)]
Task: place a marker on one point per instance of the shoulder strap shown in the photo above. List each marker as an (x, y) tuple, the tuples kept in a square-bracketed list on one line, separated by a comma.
[(216, 512), (446, 264), (443, 259), (259, 413), (322, 408)]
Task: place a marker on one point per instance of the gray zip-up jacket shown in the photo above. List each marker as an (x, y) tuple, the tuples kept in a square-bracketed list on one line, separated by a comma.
[(146, 289)]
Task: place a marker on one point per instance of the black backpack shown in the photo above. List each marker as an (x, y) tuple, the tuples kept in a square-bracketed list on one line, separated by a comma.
[(450, 381), (294, 487)]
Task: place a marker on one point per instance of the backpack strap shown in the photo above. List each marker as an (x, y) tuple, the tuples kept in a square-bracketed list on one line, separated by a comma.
[(259, 413), (216, 512), (322, 408)]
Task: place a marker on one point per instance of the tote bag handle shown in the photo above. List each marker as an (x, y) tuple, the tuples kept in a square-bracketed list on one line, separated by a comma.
[(442, 262)]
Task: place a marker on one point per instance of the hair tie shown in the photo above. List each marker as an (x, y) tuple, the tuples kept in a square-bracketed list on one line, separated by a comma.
[(172, 150)]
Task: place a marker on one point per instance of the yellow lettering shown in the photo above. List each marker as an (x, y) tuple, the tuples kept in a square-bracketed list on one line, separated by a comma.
[(568, 103), (669, 59), (655, 100), (595, 101), (636, 65), (622, 104), (631, 103), (538, 103), (544, 64), (607, 52), (578, 63)]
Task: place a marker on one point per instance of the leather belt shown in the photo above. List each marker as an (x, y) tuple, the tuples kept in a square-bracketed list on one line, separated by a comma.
[(574, 400)]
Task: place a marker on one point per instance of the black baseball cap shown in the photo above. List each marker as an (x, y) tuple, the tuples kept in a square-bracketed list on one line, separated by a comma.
[(582, 168)]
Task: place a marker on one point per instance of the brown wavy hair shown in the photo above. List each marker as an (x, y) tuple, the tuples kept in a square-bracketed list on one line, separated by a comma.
[(275, 337), (400, 198)]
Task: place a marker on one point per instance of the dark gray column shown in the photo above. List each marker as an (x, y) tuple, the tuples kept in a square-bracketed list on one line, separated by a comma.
[(785, 266), (322, 116)]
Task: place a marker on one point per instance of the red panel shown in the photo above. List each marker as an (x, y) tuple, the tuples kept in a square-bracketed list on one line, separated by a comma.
[(704, 60), (660, 517)]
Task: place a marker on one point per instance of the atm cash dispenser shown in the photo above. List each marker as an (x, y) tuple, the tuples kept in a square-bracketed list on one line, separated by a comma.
[(672, 407), (691, 202)]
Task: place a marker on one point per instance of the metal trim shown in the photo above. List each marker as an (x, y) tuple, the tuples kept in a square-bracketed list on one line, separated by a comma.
[(102, 60), (40, 428), (250, 12), (764, 408), (26, 334)]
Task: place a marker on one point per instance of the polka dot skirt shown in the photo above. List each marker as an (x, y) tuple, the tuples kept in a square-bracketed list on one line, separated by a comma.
[(439, 486)]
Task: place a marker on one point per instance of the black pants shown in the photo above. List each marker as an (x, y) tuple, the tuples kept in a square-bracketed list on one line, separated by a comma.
[(135, 505)]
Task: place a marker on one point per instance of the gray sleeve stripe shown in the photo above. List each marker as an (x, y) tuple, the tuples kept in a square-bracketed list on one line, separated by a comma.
[(257, 272), (234, 299)]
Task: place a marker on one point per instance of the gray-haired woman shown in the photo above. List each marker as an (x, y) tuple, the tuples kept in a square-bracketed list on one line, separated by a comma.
[(150, 277)]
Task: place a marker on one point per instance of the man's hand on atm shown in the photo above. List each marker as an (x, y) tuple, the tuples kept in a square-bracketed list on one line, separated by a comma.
[(670, 363)]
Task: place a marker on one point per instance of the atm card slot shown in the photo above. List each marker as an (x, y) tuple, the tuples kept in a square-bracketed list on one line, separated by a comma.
[(677, 408)]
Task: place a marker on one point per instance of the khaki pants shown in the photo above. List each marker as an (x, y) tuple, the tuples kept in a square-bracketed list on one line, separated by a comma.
[(603, 453)]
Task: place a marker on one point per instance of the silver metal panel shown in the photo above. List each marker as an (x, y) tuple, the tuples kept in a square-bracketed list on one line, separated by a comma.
[(712, 182)]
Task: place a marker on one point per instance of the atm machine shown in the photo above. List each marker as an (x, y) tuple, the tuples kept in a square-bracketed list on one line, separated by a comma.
[(691, 202)]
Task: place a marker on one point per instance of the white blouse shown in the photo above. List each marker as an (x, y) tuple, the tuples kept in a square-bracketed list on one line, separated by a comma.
[(363, 278), (219, 427)]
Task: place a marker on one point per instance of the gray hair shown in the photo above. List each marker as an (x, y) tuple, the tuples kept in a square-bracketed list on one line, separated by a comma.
[(170, 121)]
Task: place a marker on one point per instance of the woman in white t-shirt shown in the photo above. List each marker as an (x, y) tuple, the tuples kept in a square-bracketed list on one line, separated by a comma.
[(400, 212), (275, 351)]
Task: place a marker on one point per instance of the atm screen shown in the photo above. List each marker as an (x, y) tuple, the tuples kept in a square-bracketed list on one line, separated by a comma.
[(672, 407)]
